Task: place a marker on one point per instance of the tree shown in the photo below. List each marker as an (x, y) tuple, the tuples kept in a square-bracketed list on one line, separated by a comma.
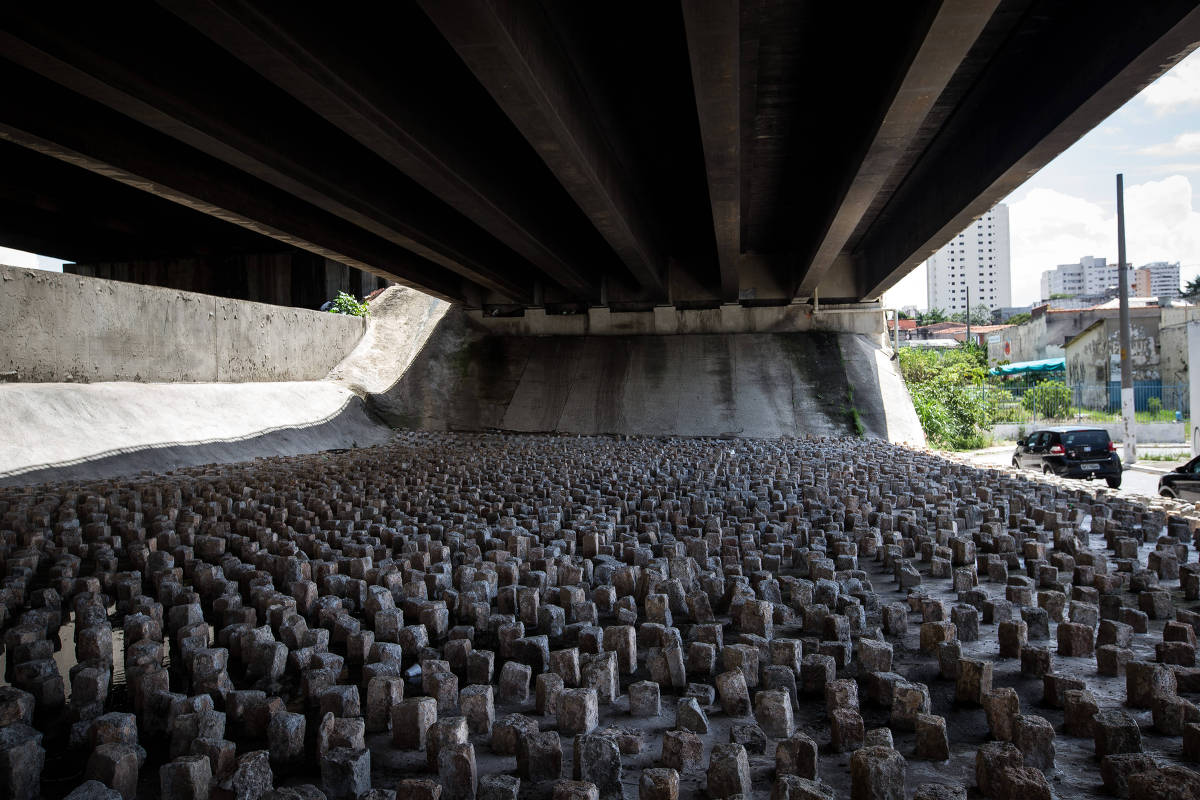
[(980, 315), (903, 315), (1191, 290), (1049, 400), (931, 317)]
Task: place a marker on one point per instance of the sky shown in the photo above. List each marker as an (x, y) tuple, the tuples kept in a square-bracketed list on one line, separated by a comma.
[(19, 258), (1069, 208)]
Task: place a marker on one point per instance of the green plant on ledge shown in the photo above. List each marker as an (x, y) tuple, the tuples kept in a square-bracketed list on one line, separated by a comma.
[(346, 304)]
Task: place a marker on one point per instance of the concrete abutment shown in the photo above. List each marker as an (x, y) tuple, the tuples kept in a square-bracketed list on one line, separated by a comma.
[(114, 377), (730, 371)]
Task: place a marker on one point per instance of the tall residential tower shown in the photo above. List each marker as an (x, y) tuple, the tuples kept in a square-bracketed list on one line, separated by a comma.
[(976, 263), (1091, 277), (1158, 279)]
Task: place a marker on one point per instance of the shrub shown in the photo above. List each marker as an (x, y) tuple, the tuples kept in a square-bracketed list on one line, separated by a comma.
[(346, 304), (1005, 407), (1049, 400), (948, 394)]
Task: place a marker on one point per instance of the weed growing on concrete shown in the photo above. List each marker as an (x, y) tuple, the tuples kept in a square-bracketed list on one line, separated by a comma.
[(346, 304), (852, 413)]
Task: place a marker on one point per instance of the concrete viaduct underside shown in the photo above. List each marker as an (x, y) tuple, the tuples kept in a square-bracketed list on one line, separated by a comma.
[(628, 154)]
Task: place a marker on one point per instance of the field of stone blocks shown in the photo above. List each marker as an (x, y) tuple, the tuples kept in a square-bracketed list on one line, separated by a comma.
[(461, 617)]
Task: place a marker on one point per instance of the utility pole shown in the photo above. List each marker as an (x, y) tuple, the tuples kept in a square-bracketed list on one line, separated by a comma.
[(1128, 408)]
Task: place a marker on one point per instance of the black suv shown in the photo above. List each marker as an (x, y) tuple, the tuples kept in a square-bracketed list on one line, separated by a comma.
[(1070, 452), (1182, 482)]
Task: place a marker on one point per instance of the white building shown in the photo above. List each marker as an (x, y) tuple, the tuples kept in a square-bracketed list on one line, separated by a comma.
[(973, 267), (1091, 276), (1157, 279)]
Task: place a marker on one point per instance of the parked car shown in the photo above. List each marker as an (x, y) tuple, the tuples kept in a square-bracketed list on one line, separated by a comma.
[(1183, 482), (1070, 452)]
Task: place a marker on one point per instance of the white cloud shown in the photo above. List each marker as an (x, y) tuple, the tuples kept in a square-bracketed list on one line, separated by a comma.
[(1050, 228), (1182, 144), (911, 290), (1174, 168), (1161, 222), (1178, 89)]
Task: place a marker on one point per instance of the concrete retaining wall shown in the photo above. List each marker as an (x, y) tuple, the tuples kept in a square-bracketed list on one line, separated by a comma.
[(1146, 432), (72, 328)]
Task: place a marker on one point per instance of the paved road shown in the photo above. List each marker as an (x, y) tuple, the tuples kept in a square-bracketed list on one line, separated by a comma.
[(1135, 481)]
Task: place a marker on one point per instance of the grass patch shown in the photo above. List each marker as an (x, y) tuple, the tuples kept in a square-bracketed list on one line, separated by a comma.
[(1163, 456), (1139, 416)]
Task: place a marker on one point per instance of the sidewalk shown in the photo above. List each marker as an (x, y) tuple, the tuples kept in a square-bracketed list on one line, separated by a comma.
[(1157, 467), (996, 448), (1153, 467)]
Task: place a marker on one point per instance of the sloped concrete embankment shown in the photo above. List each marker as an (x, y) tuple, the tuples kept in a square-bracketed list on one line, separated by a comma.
[(751, 385), (67, 432), (55, 431)]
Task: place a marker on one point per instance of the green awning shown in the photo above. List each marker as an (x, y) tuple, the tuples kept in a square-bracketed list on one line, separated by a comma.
[(1025, 367)]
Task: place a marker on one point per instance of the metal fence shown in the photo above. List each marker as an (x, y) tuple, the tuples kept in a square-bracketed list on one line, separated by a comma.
[(1061, 402)]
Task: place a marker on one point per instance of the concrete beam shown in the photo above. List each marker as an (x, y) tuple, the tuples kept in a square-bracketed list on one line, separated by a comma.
[(714, 49), (264, 146), (951, 34), (43, 117), (975, 161), (512, 50), (728, 318), (309, 65)]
